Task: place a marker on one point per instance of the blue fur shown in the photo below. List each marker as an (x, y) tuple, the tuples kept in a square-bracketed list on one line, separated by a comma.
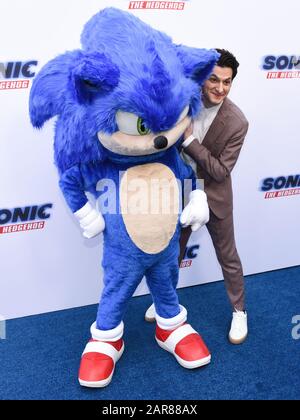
[(124, 64)]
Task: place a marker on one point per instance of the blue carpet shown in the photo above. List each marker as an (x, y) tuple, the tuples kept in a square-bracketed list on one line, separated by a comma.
[(40, 357)]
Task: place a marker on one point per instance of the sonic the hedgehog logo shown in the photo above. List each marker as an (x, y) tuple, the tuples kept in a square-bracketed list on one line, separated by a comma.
[(161, 5)]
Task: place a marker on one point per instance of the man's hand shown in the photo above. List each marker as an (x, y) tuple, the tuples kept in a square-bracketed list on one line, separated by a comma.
[(189, 131), (90, 220), (196, 213)]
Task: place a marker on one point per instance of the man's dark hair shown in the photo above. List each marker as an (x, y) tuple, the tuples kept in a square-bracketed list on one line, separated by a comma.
[(228, 60)]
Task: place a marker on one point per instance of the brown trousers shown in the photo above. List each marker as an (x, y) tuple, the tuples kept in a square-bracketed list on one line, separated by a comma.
[(222, 235)]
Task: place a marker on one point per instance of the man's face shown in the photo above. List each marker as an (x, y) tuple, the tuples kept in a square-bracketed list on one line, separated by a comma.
[(218, 86)]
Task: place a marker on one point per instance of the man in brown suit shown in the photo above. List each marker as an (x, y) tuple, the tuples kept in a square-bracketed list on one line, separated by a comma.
[(212, 146)]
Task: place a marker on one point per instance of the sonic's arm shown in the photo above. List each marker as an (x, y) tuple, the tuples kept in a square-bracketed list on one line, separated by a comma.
[(196, 212), (187, 175), (73, 188)]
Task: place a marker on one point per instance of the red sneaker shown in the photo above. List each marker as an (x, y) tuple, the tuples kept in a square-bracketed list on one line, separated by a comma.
[(185, 344), (98, 362)]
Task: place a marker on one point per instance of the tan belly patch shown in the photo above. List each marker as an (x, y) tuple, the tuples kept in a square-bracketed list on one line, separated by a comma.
[(149, 200)]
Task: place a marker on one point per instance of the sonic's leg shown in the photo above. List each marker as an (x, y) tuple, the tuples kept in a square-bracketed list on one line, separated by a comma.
[(162, 280), (121, 277)]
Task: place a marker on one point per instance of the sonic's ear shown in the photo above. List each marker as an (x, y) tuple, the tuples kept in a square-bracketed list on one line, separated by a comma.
[(93, 76), (73, 76), (49, 88), (197, 63)]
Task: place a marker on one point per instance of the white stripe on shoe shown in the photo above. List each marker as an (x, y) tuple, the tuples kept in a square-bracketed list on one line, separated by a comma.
[(102, 348), (177, 335)]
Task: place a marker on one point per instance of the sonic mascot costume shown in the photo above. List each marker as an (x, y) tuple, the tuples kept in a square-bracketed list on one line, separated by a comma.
[(123, 101)]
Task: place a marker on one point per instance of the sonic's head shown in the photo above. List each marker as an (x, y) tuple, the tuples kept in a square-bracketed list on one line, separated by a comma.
[(129, 88)]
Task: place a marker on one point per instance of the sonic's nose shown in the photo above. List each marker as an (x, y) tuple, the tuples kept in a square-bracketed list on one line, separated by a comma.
[(160, 142)]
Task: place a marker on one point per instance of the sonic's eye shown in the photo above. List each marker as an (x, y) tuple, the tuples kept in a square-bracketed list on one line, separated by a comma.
[(141, 127), (131, 124)]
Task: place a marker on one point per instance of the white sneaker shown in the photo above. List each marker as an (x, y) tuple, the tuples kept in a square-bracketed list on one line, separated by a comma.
[(239, 328), (150, 314)]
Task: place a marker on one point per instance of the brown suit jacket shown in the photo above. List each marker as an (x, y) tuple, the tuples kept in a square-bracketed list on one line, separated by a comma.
[(217, 155)]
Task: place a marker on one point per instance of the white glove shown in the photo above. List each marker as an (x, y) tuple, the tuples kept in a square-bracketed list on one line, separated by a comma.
[(196, 213), (90, 220)]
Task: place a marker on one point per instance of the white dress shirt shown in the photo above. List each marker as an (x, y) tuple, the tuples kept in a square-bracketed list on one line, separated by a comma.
[(201, 127)]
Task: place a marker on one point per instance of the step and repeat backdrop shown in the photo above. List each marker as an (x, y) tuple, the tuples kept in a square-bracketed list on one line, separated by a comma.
[(46, 264)]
